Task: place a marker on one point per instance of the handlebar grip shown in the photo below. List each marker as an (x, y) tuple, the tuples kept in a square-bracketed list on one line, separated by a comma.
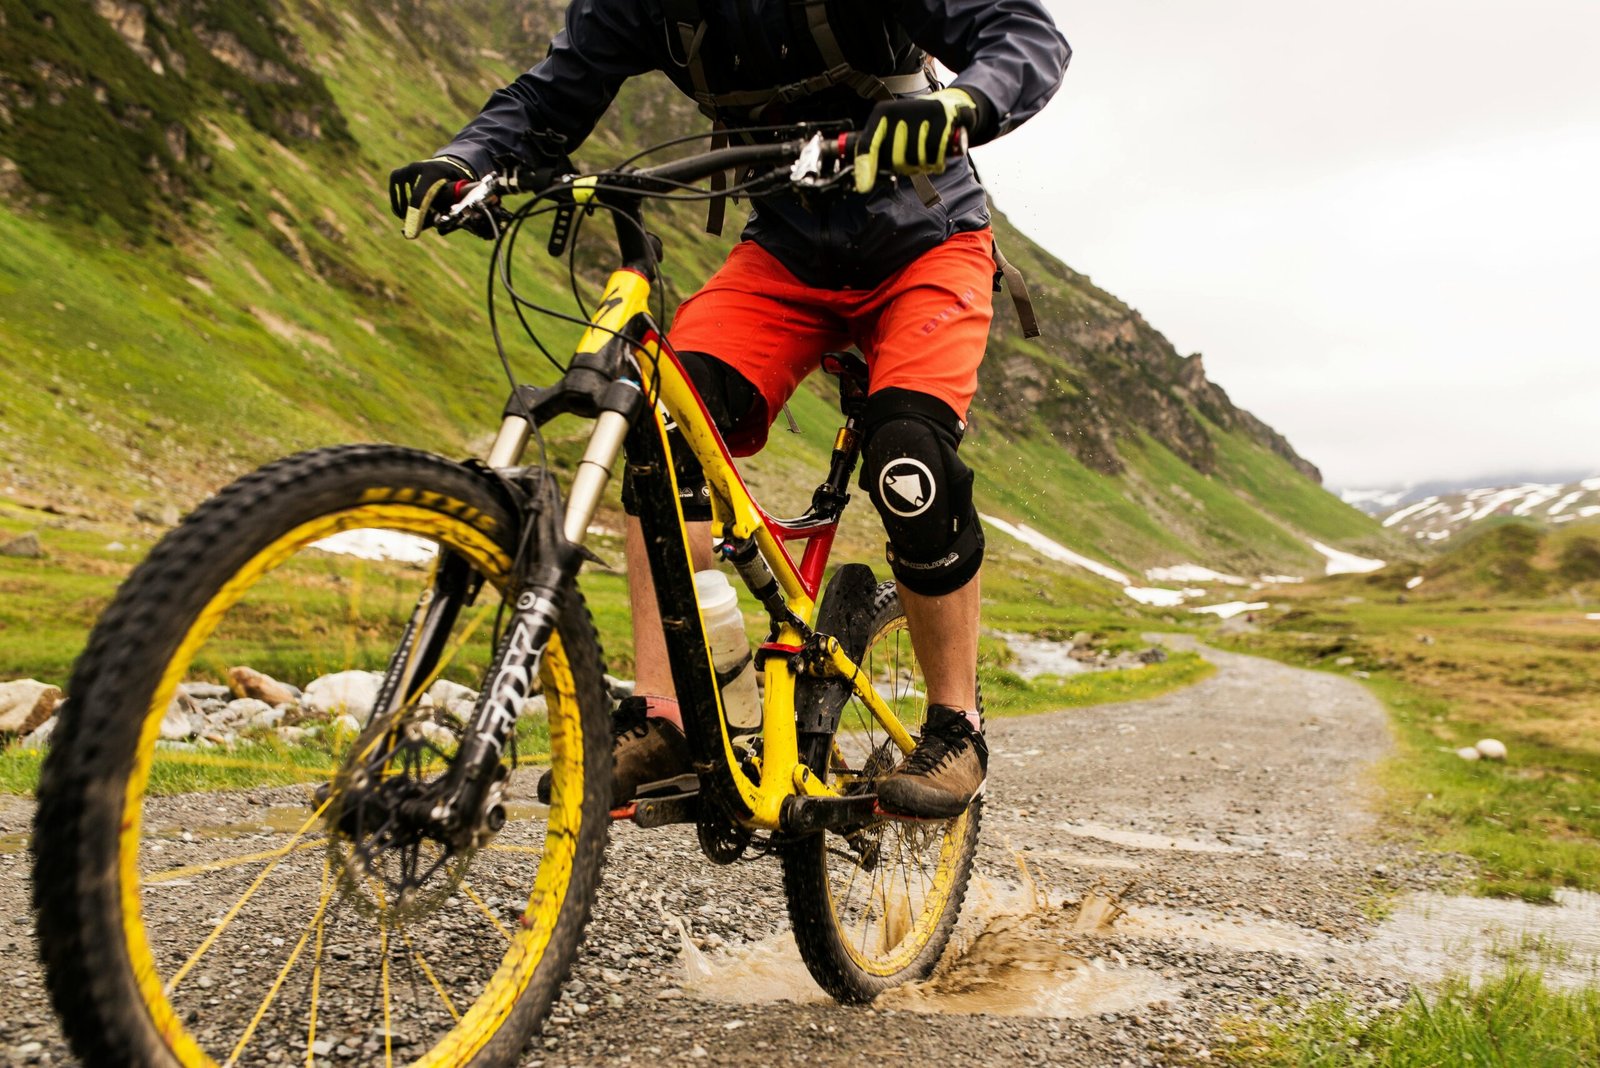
[(848, 143)]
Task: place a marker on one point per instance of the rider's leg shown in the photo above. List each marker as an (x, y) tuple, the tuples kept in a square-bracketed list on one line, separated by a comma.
[(652, 671), (924, 332), (944, 635)]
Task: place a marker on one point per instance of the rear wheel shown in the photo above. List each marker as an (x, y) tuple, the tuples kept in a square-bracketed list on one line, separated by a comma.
[(208, 891), (875, 908)]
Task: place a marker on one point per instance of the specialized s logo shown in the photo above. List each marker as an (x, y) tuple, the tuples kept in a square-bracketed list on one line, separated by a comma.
[(906, 487)]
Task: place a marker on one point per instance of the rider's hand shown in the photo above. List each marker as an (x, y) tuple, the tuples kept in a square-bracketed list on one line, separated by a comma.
[(414, 187), (914, 133)]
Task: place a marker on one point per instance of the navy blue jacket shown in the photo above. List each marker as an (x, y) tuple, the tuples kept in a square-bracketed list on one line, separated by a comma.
[(1009, 52)]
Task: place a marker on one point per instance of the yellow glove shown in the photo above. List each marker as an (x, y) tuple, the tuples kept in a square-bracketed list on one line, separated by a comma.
[(916, 133), (414, 187)]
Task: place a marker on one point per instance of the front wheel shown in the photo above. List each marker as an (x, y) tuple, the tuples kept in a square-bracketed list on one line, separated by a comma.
[(207, 891), (874, 909)]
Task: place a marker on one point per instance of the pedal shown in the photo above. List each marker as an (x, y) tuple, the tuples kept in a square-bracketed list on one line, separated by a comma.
[(900, 817), (666, 810), (805, 815)]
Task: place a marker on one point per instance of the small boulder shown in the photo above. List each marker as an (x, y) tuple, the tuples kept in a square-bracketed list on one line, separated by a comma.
[(26, 546), (248, 682), (350, 693), (26, 703), (164, 515), (239, 713), (444, 693), (39, 738), (177, 725), (1467, 752), (534, 707), (1153, 655), (1491, 749), (268, 719)]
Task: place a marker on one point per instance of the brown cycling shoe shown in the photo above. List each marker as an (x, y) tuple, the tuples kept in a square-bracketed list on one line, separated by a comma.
[(943, 773), (644, 749)]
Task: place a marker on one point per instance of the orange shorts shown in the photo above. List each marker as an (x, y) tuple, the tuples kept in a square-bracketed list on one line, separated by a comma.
[(924, 328)]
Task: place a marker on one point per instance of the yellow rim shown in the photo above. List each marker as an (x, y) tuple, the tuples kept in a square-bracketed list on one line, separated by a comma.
[(892, 959), (388, 510)]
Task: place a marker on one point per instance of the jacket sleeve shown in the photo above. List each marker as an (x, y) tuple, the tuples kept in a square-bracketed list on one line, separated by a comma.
[(1008, 50), (557, 104)]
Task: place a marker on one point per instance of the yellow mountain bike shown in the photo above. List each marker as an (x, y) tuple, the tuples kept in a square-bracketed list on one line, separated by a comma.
[(359, 868)]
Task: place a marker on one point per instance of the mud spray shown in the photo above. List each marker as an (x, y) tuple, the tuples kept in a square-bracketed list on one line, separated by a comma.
[(1020, 950)]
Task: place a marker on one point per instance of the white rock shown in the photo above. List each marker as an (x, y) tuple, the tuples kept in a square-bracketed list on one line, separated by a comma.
[(445, 693), (534, 707), (1468, 753), (344, 693), (293, 735), (177, 724), (441, 738), (347, 724), (40, 737), (267, 718), (241, 711), (1491, 749), (26, 703)]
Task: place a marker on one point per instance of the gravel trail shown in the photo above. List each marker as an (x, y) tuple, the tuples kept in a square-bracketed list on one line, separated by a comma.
[(1228, 820)]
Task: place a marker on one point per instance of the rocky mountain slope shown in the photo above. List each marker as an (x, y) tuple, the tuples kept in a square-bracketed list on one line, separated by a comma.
[(199, 272)]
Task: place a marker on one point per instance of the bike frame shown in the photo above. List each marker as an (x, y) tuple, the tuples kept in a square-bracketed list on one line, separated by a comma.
[(753, 791)]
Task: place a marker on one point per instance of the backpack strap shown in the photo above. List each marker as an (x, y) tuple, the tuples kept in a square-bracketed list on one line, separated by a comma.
[(1018, 287), (688, 24)]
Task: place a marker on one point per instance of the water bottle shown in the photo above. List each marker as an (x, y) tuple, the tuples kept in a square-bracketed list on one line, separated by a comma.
[(730, 652)]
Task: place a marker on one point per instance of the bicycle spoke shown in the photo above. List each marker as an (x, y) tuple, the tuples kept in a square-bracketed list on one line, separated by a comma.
[(388, 1035), (476, 900), (228, 917), (316, 989), (427, 971), (288, 965), (231, 862)]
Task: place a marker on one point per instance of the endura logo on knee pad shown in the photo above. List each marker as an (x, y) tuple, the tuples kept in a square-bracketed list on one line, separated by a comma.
[(906, 487)]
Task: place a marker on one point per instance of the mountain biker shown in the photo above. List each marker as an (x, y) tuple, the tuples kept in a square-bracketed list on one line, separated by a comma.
[(904, 272)]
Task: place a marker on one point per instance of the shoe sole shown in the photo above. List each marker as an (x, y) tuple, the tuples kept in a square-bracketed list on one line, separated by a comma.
[(915, 801)]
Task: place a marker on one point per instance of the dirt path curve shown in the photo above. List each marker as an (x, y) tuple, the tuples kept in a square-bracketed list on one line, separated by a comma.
[(1227, 819)]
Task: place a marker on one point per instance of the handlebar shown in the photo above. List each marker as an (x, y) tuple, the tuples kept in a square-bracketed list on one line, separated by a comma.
[(810, 158)]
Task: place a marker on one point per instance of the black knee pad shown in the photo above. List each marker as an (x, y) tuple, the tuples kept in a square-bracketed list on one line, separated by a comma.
[(922, 490), (728, 398)]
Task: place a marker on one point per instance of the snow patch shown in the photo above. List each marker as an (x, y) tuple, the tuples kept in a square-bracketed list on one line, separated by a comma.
[(1426, 502), (368, 544), (1561, 505), (1191, 573), (1279, 580), (1343, 563), (1055, 550), (1159, 598), (1230, 608), (1413, 582)]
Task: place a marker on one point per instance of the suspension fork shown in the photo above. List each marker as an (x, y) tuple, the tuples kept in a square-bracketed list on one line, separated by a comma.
[(548, 559)]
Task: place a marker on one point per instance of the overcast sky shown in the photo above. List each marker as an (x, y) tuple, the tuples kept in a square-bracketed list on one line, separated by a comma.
[(1379, 221)]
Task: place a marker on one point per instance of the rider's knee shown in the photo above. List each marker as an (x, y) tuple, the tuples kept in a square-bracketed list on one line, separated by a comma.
[(728, 397), (922, 490)]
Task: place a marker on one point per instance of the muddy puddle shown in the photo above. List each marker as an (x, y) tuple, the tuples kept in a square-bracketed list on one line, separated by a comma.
[(1432, 936), (1018, 951)]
